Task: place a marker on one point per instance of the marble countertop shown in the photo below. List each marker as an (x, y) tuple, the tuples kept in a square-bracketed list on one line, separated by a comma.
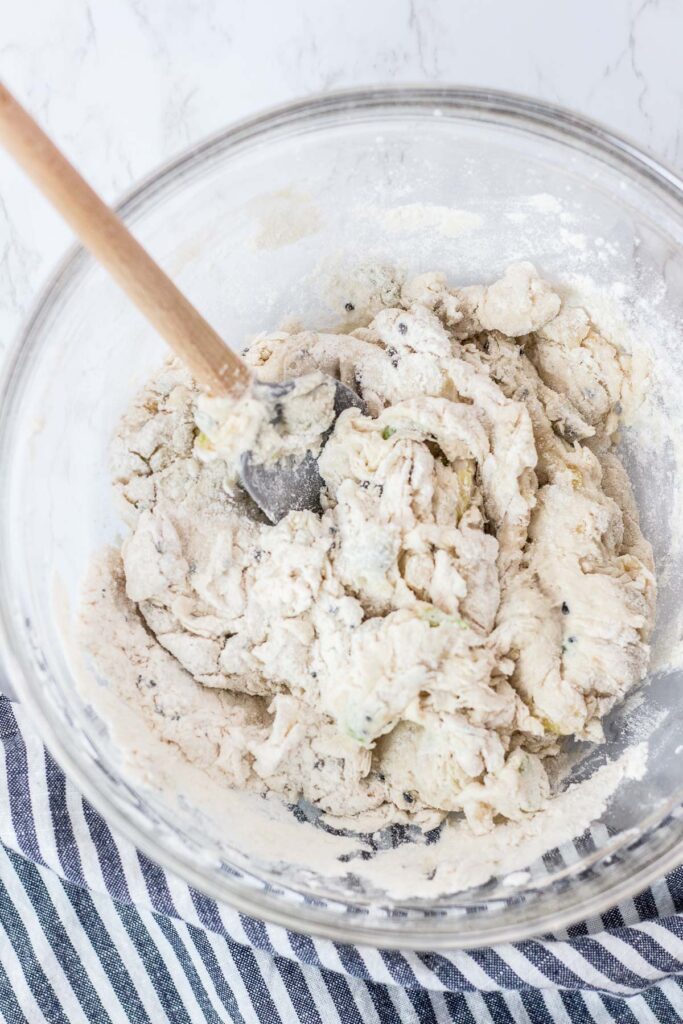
[(125, 84)]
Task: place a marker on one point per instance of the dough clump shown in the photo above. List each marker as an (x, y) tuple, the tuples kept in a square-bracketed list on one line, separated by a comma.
[(476, 588)]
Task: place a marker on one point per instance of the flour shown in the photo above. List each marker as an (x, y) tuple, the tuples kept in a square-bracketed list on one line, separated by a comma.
[(414, 218), (476, 588), (283, 218), (463, 859), (543, 202)]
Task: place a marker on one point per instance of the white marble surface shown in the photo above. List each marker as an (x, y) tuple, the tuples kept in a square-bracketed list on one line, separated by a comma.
[(124, 84)]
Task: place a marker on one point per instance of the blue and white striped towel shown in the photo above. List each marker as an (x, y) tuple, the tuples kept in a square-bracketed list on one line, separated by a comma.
[(92, 931)]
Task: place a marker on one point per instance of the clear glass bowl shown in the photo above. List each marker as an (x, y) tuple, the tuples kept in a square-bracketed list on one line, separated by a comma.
[(255, 224)]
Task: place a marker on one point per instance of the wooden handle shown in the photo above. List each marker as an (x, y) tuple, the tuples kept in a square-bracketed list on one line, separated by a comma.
[(208, 358)]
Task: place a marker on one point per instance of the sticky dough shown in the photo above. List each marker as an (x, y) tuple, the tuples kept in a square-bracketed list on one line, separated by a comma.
[(477, 587)]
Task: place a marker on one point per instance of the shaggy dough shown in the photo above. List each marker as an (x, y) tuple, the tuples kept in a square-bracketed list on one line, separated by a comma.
[(476, 588)]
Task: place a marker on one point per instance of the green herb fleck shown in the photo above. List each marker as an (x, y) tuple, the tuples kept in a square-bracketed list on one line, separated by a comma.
[(388, 432), (357, 736), (435, 617)]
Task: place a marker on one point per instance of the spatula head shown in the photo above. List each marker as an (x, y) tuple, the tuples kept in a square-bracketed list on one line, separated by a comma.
[(291, 483)]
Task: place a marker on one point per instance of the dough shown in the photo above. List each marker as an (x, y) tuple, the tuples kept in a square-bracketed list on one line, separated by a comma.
[(476, 588)]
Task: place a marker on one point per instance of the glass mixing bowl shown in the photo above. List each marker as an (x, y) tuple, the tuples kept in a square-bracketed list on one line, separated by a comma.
[(266, 220)]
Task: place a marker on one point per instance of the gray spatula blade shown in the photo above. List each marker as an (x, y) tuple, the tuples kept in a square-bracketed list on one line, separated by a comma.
[(291, 484)]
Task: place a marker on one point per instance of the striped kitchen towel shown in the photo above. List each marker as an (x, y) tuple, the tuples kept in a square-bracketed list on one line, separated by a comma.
[(92, 931)]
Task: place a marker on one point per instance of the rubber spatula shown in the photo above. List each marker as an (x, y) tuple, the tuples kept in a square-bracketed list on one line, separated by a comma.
[(276, 487)]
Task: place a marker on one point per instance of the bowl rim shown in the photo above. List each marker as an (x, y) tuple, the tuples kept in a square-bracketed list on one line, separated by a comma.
[(498, 106)]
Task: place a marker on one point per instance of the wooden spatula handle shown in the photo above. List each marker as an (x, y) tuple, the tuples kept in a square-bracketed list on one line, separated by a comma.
[(210, 361)]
